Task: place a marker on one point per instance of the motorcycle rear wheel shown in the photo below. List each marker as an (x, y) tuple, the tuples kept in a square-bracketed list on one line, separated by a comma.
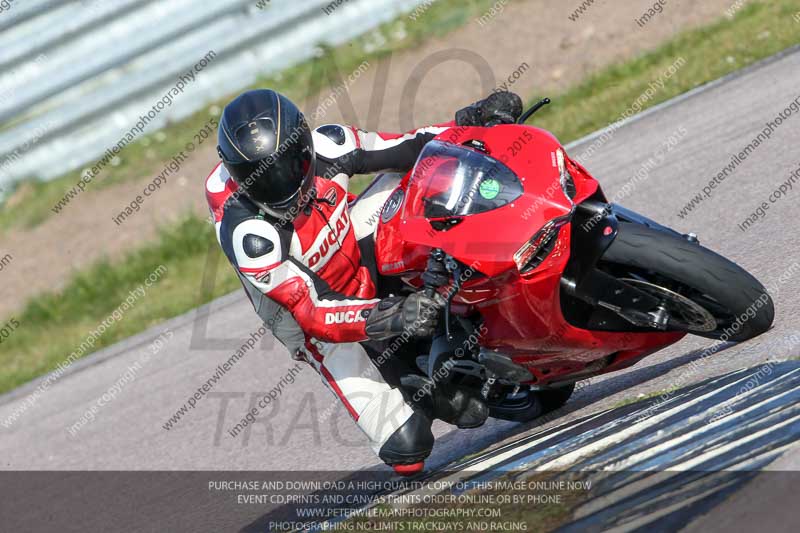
[(739, 303), (531, 405), (552, 399)]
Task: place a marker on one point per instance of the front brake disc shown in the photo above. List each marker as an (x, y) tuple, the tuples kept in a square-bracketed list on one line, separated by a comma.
[(682, 311)]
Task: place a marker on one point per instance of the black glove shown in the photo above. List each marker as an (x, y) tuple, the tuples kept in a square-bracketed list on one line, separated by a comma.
[(417, 314), (501, 107)]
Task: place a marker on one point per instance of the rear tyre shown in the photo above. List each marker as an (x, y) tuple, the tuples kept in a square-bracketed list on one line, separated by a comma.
[(529, 405), (552, 399), (521, 407), (668, 264)]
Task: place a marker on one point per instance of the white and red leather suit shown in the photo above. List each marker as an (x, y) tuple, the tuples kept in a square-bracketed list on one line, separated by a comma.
[(314, 268)]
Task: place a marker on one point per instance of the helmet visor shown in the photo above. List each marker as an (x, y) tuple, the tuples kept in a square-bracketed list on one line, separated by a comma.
[(276, 182)]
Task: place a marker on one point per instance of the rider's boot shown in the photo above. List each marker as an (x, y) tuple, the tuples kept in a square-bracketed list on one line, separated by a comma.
[(455, 405), (408, 447)]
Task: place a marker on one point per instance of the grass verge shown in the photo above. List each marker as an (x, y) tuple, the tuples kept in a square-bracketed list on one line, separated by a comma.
[(644, 397), (758, 31), (54, 325)]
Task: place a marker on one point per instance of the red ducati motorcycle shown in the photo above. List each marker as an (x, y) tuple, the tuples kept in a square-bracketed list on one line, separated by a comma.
[(546, 282)]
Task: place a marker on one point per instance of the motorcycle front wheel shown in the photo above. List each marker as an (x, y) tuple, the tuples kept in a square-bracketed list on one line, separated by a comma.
[(702, 292)]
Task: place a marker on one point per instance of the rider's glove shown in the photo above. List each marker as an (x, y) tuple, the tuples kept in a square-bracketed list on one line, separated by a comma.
[(502, 107), (416, 314)]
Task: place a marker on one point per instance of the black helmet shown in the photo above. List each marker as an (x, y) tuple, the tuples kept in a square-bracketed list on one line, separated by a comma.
[(266, 145)]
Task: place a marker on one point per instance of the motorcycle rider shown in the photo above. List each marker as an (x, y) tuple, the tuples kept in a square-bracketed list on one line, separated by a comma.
[(279, 200)]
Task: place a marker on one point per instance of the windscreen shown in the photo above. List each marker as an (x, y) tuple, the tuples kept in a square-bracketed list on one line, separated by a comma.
[(456, 181)]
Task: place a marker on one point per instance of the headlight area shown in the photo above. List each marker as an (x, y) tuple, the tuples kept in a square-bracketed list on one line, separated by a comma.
[(566, 178), (533, 253)]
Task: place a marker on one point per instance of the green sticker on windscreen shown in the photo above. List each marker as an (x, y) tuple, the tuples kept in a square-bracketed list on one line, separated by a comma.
[(489, 189)]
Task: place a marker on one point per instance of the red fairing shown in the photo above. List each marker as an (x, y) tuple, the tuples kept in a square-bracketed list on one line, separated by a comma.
[(493, 237), (485, 226)]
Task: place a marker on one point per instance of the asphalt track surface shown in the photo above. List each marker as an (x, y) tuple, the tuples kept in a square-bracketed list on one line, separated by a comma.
[(296, 435)]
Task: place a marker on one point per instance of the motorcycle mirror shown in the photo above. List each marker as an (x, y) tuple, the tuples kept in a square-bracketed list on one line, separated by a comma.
[(536, 107)]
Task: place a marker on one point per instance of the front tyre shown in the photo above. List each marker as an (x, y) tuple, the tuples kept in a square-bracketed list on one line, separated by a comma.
[(704, 293)]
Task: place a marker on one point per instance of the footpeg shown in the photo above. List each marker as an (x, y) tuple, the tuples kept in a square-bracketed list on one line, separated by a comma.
[(502, 366)]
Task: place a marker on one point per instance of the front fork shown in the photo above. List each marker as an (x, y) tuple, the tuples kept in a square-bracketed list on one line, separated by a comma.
[(455, 344), (593, 231), (460, 344)]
